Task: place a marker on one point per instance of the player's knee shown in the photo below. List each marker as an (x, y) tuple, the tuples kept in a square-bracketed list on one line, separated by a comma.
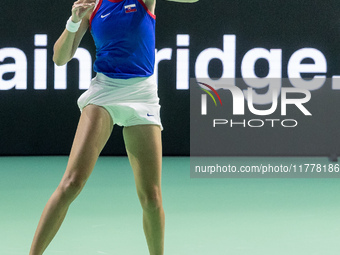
[(151, 200), (71, 186)]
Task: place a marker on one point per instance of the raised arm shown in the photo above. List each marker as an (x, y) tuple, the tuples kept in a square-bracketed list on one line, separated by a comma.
[(67, 44)]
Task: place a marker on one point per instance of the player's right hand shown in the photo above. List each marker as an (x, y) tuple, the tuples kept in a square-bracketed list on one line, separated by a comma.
[(80, 8)]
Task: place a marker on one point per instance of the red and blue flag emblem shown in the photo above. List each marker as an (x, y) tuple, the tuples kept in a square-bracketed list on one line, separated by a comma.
[(130, 8)]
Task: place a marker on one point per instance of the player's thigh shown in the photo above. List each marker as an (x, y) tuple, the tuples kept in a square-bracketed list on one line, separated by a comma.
[(94, 128), (144, 147)]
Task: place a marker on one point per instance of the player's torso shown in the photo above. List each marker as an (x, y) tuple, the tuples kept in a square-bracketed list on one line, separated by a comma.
[(123, 31), (113, 19)]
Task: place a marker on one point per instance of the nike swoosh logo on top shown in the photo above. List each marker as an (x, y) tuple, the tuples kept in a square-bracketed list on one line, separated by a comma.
[(103, 16)]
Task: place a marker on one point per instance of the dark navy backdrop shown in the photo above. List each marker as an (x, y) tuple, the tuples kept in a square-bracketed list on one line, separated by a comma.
[(43, 122)]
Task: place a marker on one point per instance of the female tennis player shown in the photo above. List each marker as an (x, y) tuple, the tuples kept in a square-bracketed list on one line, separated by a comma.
[(124, 92)]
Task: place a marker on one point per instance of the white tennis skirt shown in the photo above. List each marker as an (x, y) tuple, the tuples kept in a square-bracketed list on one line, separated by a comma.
[(130, 102)]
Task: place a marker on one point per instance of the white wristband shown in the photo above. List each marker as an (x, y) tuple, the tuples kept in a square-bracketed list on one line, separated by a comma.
[(71, 26)]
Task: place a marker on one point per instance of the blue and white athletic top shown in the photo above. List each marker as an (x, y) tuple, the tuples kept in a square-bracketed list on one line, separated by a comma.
[(124, 35)]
